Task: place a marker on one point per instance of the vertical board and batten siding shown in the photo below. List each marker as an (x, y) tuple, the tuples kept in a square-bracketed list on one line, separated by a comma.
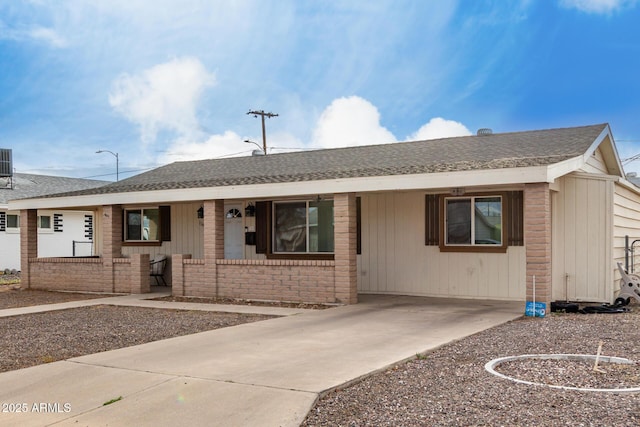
[(626, 222), (581, 243), (395, 260), (187, 234)]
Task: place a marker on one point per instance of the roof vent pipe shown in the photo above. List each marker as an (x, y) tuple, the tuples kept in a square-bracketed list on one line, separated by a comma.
[(484, 132)]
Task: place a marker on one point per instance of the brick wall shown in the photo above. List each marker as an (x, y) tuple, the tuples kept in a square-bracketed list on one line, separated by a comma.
[(346, 271), (28, 243), (130, 275), (68, 274), (537, 240), (275, 280)]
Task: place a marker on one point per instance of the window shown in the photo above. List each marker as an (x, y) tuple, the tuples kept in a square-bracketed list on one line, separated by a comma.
[(13, 221), (44, 222), (142, 224), (303, 227), (473, 221), (495, 222)]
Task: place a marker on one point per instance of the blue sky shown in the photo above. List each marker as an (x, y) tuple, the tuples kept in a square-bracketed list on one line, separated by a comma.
[(160, 81)]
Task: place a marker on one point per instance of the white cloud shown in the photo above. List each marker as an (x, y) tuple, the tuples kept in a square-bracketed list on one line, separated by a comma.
[(227, 144), (163, 97), (597, 6), (38, 34), (49, 36), (438, 127), (348, 122)]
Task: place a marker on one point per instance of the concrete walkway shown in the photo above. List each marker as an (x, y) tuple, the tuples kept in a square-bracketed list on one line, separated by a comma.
[(266, 373)]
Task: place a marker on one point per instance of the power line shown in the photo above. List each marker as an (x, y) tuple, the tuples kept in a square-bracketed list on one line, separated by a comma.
[(111, 174)]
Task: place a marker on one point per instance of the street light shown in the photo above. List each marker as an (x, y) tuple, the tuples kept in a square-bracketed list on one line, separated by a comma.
[(117, 161), (256, 144)]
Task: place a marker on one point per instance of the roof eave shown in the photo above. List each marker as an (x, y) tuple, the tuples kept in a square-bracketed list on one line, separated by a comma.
[(431, 181)]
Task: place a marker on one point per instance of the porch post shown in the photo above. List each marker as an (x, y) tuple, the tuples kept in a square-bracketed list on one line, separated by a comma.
[(537, 240), (213, 241), (28, 243), (177, 274), (111, 242), (345, 276), (140, 274)]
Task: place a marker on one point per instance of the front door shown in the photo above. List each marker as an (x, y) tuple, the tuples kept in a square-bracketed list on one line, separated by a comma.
[(233, 235)]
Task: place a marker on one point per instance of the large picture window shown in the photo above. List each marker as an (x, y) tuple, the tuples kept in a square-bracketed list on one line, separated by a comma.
[(473, 221), (142, 224), (303, 227)]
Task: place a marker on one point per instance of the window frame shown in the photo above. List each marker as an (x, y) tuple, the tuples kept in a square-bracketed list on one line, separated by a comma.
[(10, 229), (125, 223), (42, 229), (473, 247), (315, 254)]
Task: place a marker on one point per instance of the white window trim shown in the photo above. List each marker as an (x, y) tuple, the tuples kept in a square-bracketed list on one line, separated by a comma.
[(45, 230), (307, 228), (12, 230), (473, 221)]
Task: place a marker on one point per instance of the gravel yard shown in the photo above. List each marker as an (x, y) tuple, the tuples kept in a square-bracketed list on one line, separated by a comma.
[(11, 298), (447, 386), (450, 387), (33, 339)]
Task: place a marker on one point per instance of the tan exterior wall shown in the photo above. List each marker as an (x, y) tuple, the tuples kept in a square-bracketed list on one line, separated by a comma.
[(596, 163), (272, 280), (582, 239), (130, 275), (187, 236), (537, 240), (626, 222), (395, 260)]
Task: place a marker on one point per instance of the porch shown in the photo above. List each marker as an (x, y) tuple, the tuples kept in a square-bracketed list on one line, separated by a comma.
[(205, 260)]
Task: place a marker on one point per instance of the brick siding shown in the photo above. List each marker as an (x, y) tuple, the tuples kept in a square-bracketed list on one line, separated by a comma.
[(130, 275), (537, 239)]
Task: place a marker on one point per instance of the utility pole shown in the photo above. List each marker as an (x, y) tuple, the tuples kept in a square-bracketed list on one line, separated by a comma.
[(257, 113)]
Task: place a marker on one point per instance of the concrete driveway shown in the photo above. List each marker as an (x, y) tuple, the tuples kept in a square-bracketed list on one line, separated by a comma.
[(266, 373)]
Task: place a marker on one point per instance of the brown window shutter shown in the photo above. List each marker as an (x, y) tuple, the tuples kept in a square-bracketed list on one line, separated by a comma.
[(165, 223), (515, 218), (263, 227), (432, 220)]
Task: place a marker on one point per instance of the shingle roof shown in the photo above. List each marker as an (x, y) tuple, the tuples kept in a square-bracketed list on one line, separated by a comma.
[(495, 151), (29, 185)]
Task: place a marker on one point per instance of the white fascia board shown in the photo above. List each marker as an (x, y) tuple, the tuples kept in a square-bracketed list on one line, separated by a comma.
[(431, 181), (563, 168), (612, 150), (628, 185)]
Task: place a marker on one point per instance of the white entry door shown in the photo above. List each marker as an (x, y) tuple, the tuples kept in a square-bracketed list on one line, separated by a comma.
[(233, 232)]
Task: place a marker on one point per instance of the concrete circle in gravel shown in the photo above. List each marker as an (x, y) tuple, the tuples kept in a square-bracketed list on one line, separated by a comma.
[(491, 365)]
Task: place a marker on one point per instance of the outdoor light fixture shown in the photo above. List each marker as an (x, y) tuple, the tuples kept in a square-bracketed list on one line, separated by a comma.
[(117, 161), (201, 212), (250, 210)]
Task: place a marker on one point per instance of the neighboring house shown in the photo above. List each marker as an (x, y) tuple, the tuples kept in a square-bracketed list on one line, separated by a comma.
[(481, 217), (57, 229)]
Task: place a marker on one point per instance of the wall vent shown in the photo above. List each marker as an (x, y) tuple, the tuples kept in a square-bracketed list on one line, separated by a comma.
[(6, 164)]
